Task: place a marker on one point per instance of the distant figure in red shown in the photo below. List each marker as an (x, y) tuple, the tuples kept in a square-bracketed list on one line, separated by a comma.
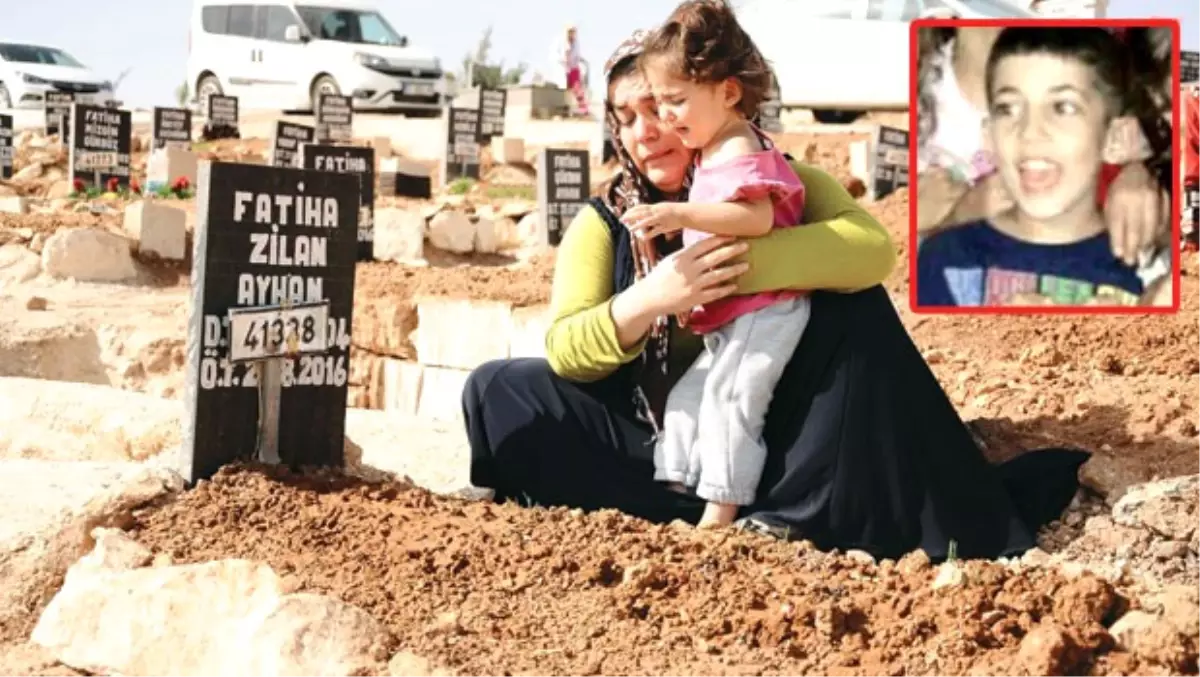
[(1191, 173), (572, 62)]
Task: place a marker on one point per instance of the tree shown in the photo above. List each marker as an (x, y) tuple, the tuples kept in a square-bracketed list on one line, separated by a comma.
[(181, 93), (479, 72)]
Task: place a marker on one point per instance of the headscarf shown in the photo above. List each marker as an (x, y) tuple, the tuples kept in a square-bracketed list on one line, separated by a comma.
[(627, 189)]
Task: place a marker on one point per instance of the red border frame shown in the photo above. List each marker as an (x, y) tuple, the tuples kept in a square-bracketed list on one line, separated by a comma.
[(915, 26)]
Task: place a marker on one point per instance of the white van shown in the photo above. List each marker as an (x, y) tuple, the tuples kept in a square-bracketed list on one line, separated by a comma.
[(282, 55), (840, 57)]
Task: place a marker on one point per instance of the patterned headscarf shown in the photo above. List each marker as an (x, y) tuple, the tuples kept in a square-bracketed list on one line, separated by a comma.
[(626, 190)]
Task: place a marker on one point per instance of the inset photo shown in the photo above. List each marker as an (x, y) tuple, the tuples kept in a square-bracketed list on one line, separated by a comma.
[(1045, 166)]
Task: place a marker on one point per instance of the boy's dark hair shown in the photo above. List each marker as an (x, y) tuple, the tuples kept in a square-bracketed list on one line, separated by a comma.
[(703, 42), (1097, 48)]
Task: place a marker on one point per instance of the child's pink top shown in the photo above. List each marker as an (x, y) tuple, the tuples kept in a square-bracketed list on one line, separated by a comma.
[(749, 177)]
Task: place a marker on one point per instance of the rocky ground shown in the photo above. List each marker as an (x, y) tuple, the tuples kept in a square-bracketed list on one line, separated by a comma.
[(458, 587)]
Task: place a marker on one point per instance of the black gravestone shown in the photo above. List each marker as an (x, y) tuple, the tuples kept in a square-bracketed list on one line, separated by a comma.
[(357, 160), (100, 146), (1189, 66), (289, 138), (401, 177), (562, 189), (57, 106), (6, 146), (335, 119), (222, 119), (492, 103), (265, 237), (461, 160), (890, 164), (172, 126), (769, 116)]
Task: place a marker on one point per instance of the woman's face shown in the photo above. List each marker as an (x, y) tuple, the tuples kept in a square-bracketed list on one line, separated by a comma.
[(656, 150)]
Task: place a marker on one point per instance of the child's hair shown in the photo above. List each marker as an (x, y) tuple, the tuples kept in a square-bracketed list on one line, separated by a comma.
[(1128, 71), (703, 42)]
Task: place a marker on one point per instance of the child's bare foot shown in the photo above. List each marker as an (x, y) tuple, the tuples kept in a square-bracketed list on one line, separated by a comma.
[(718, 515)]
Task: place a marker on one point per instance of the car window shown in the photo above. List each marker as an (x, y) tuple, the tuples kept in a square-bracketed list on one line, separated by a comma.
[(275, 20), (214, 19), (37, 54), (241, 21), (374, 30)]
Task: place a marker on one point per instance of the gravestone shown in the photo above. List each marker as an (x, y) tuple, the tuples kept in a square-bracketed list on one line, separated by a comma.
[(563, 187), (57, 107), (1189, 66), (172, 126), (461, 160), (357, 160), (492, 103), (335, 119), (889, 166), (6, 147), (274, 260), (402, 177), (289, 138), (101, 142), (222, 120), (769, 116)]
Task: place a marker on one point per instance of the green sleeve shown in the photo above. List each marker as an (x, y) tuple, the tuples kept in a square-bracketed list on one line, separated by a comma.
[(839, 246), (581, 344)]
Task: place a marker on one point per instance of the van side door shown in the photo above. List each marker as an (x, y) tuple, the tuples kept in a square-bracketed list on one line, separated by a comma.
[(283, 67)]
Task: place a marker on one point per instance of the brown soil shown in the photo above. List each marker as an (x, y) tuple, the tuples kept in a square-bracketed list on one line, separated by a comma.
[(478, 276), (486, 589)]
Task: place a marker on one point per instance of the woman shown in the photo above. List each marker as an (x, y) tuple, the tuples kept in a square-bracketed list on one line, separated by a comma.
[(864, 449), (957, 180)]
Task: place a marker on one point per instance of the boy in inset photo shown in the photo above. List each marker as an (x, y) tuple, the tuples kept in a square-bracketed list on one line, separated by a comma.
[(1057, 99)]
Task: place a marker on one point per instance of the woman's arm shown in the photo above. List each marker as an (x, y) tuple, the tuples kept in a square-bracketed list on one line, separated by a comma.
[(839, 246), (593, 333)]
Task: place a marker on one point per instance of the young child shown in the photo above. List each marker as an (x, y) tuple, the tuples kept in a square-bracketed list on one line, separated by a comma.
[(708, 79), (1056, 98)]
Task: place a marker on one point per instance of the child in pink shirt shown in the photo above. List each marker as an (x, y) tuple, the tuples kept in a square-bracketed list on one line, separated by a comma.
[(708, 79)]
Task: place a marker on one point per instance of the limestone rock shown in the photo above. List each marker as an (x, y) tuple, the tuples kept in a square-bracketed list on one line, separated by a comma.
[(88, 254), (453, 232), (1168, 507), (399, 236), (18, 264)]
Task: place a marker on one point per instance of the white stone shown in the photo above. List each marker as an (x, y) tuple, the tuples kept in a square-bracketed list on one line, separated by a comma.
[(453, 232), (88, 255), (860, 160), (29, 172), (530, 232), (441, 394), (433, 454), (13, 204), (401, 385), (158, 228), (167, 165), (59, 190), (507, 150), (18, 264), (529, 326), (462, 333), (487, 239), (382, 146), (399, 236)]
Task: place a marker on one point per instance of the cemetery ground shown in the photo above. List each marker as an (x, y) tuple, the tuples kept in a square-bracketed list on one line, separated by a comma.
[(384, 576)]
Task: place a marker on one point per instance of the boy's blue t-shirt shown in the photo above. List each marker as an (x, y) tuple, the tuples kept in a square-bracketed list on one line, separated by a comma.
[(977, 265)]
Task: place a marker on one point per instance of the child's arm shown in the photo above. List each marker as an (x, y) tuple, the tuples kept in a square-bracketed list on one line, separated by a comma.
[(748, 218)]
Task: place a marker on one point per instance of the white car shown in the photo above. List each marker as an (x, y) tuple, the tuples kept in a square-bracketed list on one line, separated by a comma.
[(841, 57), (284, 55), (28, 71)]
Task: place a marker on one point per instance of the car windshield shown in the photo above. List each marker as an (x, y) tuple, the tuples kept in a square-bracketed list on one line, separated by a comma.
[(37, 54), (348, 25)]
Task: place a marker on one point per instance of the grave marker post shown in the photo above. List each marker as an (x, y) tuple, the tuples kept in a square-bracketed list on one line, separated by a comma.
[(461, 159), (359, 161), (6, 147), (272, 297), (57, 111), (101, 141), (492, 105), (222, 119), (172, 126), (889, 162), (563, 186), (335, 119), (289, 139)]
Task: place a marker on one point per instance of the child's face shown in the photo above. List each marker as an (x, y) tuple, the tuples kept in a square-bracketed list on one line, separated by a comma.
[(695, 111), (1047, 127)]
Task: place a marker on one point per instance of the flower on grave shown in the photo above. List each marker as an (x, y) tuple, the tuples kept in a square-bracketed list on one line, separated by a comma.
[(181, 184), (79, 186), (112, 185), (135, 187)]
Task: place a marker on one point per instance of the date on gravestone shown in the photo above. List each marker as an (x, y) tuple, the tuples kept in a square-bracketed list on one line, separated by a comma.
[(273, 278)]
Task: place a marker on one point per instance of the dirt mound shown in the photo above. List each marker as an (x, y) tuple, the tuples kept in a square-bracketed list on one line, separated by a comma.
[(478, 277), (488, 589)]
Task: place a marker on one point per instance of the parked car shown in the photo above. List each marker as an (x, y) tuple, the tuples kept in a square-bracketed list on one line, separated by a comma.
[(28, 71), (284, 55), (842, 57)]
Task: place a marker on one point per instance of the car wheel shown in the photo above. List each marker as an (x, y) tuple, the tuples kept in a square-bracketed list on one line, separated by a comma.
[(208, 86), (835, 117), (323, 85), (5, 97)]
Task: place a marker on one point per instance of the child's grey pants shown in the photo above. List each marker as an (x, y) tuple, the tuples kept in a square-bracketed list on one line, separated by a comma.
[(712, 427)]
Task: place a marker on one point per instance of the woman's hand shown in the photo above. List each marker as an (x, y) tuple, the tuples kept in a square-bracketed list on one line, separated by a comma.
[(1137, 212)]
